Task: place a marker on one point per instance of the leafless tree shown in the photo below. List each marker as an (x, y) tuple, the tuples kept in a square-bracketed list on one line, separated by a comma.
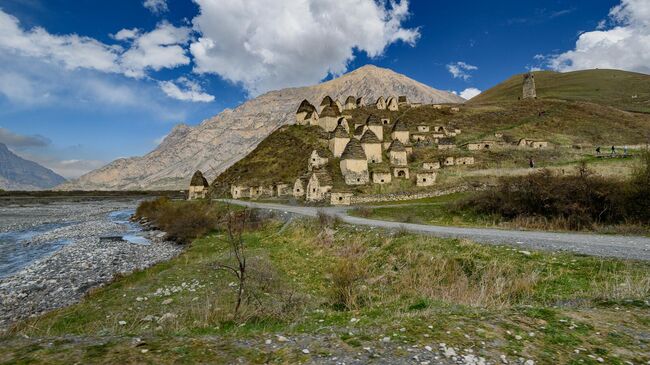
[(235, 224)]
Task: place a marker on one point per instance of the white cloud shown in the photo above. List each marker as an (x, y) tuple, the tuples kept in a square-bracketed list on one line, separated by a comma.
[(188, 91), (154, 50), (271, 44), (158, 49), (71, 51), (461, 70), (126, 34), (625, 45), (469, 93), (156, 6)]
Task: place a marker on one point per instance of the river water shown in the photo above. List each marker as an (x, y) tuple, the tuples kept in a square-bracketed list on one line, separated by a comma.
[(53, 252), (36, 237)]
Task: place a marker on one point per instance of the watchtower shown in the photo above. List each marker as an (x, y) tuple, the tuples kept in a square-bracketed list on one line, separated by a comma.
[(529, 91)]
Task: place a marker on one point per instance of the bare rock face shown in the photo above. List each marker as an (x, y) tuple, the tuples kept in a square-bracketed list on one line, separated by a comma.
[(219, 142)]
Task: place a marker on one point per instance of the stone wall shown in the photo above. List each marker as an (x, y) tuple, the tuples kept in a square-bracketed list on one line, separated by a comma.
[(405, 196)]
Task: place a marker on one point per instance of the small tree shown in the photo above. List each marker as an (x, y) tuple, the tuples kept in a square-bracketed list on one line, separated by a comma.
[(235, 224)]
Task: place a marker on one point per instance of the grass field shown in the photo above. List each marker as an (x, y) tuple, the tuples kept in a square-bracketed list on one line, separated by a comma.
[(337, 290), (620, 89)]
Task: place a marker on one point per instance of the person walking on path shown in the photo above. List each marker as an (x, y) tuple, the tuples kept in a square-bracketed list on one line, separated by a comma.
[(598, 151), (613, 150), (625, 150)]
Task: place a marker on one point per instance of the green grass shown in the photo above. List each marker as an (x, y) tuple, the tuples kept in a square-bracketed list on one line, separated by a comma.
[(607, 87), (280, 158), (408, 283)]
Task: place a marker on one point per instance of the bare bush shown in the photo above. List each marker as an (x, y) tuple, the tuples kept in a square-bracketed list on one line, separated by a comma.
[(235, 224), (364, 212), (327, 220)]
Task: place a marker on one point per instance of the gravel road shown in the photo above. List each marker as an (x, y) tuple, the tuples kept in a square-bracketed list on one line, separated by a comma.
[(624, 247)]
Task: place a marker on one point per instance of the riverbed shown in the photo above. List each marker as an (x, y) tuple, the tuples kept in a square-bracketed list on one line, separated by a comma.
[(52, 254)]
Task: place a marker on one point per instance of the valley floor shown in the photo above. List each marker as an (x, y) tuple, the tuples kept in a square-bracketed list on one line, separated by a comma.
[(321, 291)]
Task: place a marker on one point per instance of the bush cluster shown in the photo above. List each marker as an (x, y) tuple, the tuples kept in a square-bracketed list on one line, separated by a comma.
[(182, 221), (581, 199)]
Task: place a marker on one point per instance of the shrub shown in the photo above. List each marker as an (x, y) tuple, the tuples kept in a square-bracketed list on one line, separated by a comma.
[(326, 220), (364, 212), (639, 190), (577, 201), (182, 221)]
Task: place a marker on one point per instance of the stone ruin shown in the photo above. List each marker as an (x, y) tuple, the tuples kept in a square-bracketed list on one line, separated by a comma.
[(529, 91), (373, 151), (198, 186)]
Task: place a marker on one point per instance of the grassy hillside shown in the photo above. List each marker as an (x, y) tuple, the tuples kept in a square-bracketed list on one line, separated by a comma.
[(283, 156), (607, 87), (352, 295)]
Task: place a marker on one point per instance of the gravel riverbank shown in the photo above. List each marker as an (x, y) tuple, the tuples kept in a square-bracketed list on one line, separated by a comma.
[(83, 261)]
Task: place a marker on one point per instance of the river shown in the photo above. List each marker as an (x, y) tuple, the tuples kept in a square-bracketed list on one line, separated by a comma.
[(53, 252)]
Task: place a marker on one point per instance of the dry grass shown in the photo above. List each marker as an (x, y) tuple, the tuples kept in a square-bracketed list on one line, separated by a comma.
[(462, 280), (348, 275)]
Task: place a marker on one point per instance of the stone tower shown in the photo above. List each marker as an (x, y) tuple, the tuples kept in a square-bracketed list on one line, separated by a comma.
[(529, 91)]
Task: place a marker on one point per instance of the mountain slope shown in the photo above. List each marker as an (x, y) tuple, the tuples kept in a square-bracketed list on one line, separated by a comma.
[(620, 89), (219, 142), (16, 173)]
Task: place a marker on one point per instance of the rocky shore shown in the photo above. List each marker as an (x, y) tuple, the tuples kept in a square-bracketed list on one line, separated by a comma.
[(93, 254)]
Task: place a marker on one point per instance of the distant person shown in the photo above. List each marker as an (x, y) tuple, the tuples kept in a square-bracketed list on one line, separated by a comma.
[(531, 162), (613, 150), (625, 150), (598, 150)]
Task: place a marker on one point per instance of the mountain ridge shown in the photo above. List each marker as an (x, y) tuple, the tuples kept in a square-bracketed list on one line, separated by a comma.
[(218, 142), (17, 173)]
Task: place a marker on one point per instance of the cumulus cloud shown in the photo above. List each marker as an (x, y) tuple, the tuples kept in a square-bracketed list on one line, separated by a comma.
[(461, 70), (469, 93), (71, 51), (154, 50), (136, 53), (156, 6), (158, 49), (185, 90), (16, 140), (265, 45), (621, 42)]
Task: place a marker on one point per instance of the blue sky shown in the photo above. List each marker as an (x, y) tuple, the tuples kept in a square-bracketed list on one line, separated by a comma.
[(84, 82)]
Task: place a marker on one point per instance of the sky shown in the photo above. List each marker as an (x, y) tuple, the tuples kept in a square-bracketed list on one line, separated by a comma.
[(84, 82)]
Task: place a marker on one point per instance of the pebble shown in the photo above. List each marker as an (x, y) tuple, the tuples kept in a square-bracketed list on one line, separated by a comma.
[(64, 277)]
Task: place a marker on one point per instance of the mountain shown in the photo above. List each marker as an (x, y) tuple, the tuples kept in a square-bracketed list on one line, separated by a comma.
[(16, 173), (623, 90), (219, 142)]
